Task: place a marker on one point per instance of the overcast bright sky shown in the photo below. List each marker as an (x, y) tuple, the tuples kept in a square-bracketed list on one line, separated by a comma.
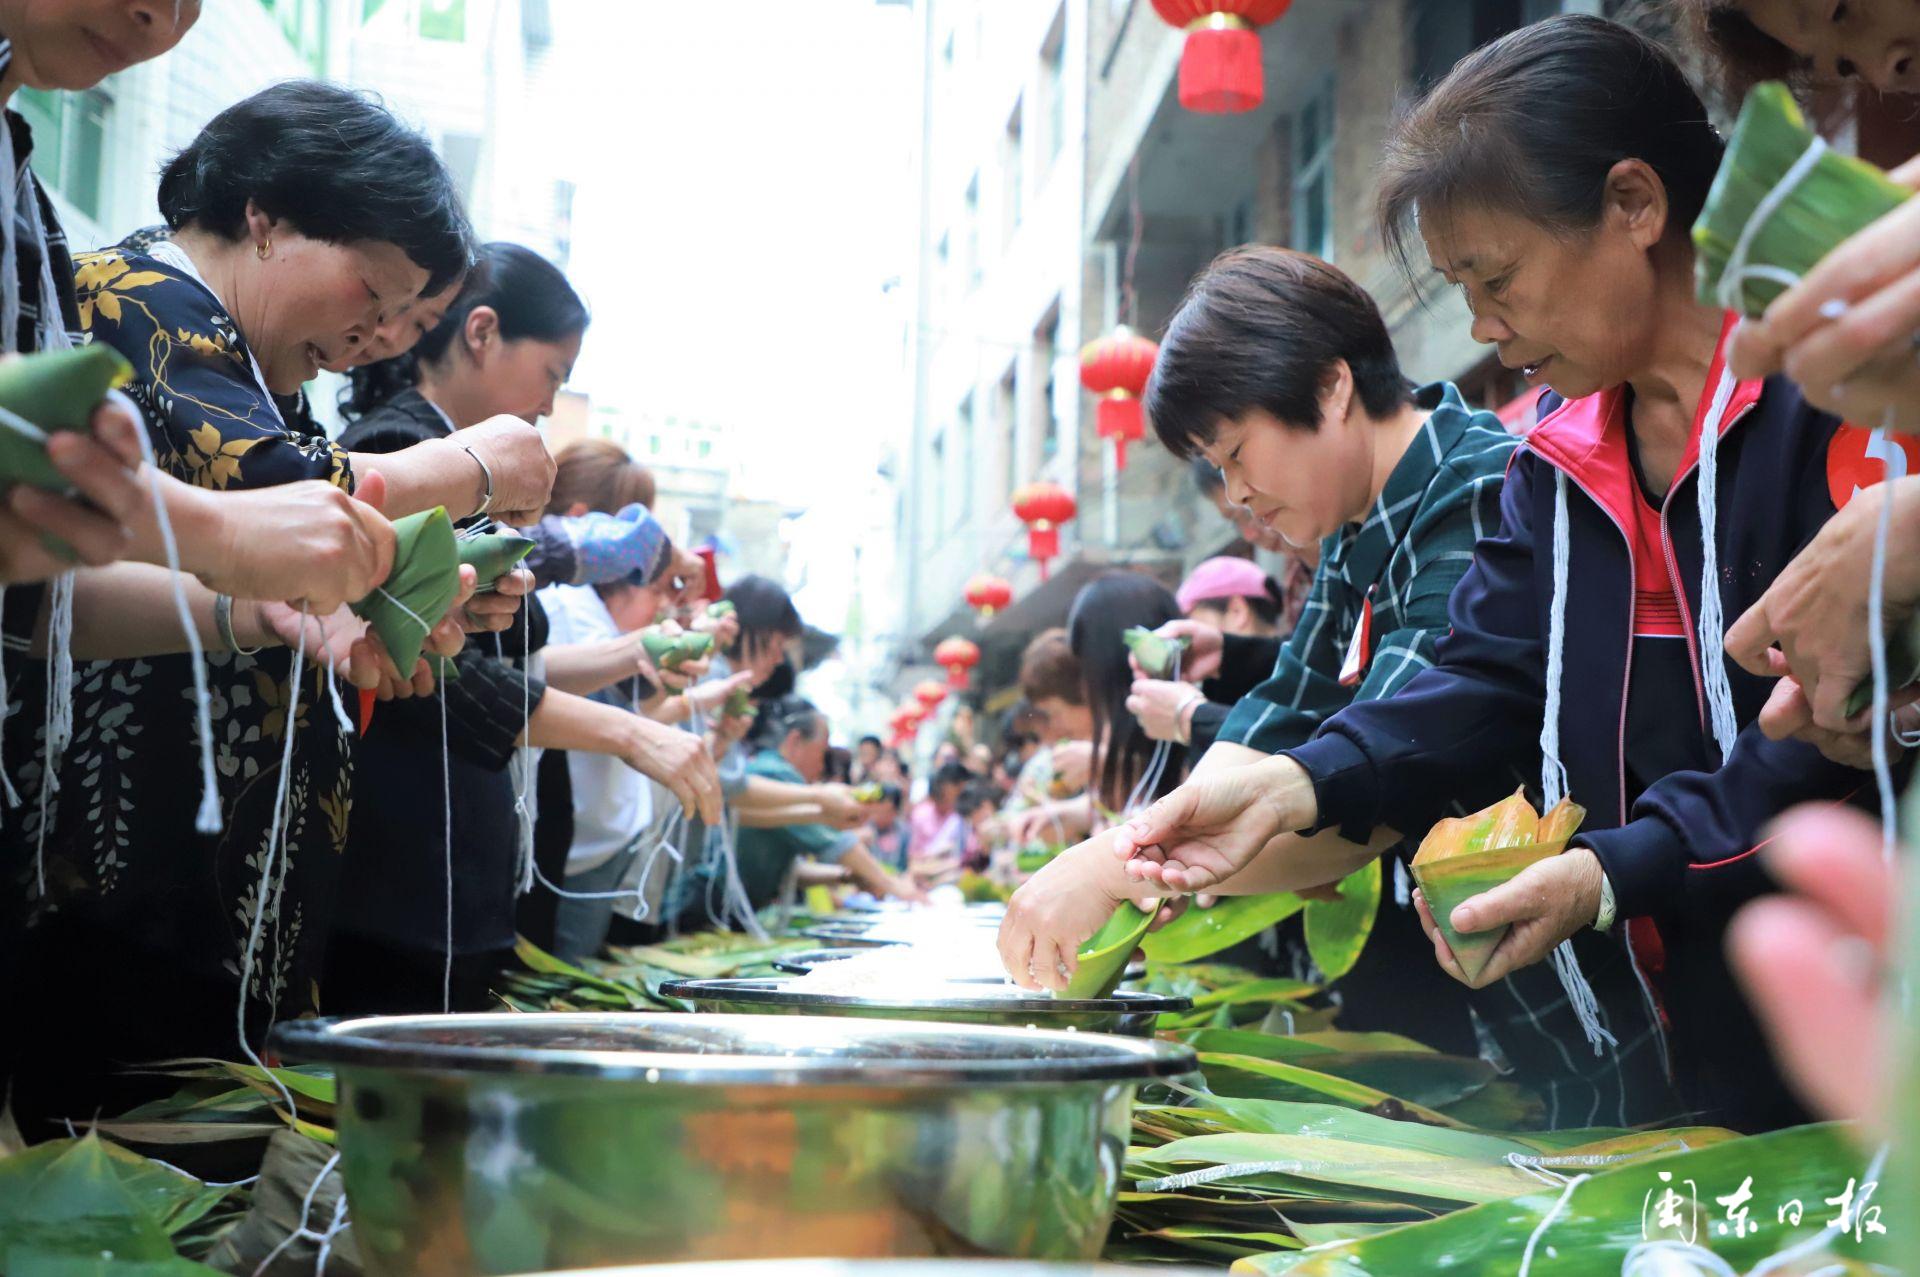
[(744, 194)]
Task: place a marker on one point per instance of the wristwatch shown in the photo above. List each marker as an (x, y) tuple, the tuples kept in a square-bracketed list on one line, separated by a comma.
[(1603, 921)]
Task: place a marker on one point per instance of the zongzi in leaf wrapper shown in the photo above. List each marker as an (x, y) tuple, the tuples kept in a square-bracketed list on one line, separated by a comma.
[(492, 555), (1781, 201), (1103, 958), (1463, 857), (53, 390), (1155, 652), (416, 594), (1903, 666)]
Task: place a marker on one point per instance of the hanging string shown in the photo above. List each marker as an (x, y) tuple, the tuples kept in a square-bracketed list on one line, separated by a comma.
[(1553, 773), (1533, 1240), (1877, 647), (301, 1232), (275, 852), (206, 819), (523, 771), (1712, 621)]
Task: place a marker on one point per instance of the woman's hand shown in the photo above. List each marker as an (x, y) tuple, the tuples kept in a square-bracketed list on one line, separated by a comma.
[(1815, 962), (1213, 826), (522, 468), (1545, 903), (1847, 331), (1056, 820), (1072, 766), (725, 629), (710, 697), (1164, 710), (110, 492), (1201, 661), (1816, 609), (678, 760), (341, 642), (1787, 715), (690, 570), (493, 611), (307, 543), (1058, 910)]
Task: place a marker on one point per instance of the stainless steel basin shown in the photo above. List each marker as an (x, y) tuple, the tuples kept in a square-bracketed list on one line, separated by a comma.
[(1126, 1012), (521, 1143)]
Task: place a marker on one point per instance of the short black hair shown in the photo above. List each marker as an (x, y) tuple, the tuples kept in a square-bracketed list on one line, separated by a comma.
[(765, 611), (334, 163), (531, 296), (891, 796), (952, 774), (978, 793), (782, 716), (870, 740), (1532, 124), (1261, 328)]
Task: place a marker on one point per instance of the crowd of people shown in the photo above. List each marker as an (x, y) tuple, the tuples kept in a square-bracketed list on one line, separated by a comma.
[(225, 802)]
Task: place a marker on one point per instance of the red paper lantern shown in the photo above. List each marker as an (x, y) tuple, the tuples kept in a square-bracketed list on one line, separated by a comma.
[(1116, 368), (957, 655), (1220, 70), (1043, 507), (987, 594), (929, 694), (905, 722)]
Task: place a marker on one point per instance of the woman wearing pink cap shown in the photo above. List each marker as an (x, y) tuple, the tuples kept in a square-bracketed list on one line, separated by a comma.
[(1233, 615)]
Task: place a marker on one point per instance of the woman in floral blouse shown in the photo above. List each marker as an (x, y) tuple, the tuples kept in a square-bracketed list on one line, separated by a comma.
[(299, 222)]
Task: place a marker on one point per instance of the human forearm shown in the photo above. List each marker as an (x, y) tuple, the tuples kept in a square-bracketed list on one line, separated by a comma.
[(434, 473), (586, 668), (566, 721), (868, 873), (773, 817), (126, 610), (1295, 862)]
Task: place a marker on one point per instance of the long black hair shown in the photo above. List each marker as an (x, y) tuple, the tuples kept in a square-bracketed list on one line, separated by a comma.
[(333, 163), (528, 293), (1101, 612), (1534, 122)]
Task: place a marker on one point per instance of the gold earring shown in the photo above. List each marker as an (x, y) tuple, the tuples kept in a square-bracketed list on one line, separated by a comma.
[(264, 249)]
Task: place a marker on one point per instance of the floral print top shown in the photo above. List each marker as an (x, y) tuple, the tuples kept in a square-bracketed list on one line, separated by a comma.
[(120, 855)]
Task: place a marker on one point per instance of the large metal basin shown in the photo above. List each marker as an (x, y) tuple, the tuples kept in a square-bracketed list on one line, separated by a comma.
[(891, 1268), (517, 1143), (1126, 1012)]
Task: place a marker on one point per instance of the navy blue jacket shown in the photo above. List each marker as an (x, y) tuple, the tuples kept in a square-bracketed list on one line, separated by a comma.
[(1682, 854)]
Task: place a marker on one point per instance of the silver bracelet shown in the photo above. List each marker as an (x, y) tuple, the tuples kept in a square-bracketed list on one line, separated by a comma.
[(486, 474), (223, 623)]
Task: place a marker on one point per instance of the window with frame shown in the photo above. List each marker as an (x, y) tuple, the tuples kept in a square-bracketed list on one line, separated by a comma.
[(937, 469), (1046, 344), (1007, 414), (1313, 175), (69, 142)]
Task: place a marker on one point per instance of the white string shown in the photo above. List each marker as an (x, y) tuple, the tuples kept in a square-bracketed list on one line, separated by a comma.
[(301, 1230), (425, 629), (523, 776), (340, 715), (1553, 773), (446, 806), (1877, 647), (1566, 1194), (1669, 1258), (207, 819), (1402, 887), (1735, 274), (1876, 1166), (275, 851), (1712, 622)]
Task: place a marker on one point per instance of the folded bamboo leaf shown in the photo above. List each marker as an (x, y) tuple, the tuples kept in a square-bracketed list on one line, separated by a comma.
[(1447, 884), (1586, 1231), (720, 608), (1422, 1076), (492, 555), (1319, 1162), (52, 390), (1254, 1078), (1337, 930), (417, 593), (1103, 958), (1834, 198), (1198, 932), (1282, 1117), (1155, 653)]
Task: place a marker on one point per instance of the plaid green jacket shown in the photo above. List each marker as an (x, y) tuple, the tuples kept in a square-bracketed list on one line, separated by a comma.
[(1408, 555)]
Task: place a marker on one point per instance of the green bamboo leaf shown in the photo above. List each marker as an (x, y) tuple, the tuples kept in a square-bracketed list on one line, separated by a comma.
[(1595, 1223), (1835, 198), (492, 555), (1337, 930), (419, 589), (51, 390), (1422, 1076), (1103, 958), (1198, 933), (1253, 1078)]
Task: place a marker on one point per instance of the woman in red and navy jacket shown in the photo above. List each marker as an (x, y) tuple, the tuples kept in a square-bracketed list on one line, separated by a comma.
[(1553, 176)]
